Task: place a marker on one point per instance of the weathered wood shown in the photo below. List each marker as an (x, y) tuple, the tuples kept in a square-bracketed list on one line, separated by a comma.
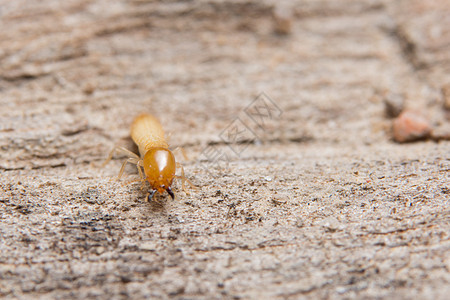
[(314, 201)]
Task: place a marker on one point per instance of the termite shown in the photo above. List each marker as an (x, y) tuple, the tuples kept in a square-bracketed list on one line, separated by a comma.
[(155, 158)]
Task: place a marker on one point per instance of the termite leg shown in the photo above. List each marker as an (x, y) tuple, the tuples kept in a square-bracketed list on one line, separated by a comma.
[(127, 152), (169, 136), (184, 179), (132, 160), (119, 149), (183, 152), (183, 176), (140, 164)]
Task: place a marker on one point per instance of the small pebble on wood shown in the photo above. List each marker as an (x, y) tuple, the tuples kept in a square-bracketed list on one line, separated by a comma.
[(411, 126)]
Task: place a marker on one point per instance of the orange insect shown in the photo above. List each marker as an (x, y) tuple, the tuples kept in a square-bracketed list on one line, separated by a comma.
[(156, 159)]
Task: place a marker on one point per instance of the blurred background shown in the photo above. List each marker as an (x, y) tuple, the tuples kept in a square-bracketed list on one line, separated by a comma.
[(75, 66), (336, 188)]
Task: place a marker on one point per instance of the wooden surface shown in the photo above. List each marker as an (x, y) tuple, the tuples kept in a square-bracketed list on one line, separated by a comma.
[(313, 200)]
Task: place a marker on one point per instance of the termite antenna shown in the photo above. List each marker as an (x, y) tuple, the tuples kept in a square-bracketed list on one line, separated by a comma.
[(150, 196), (169, 191)]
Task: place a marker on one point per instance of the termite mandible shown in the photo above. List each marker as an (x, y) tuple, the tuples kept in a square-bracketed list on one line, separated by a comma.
[(155, 157)]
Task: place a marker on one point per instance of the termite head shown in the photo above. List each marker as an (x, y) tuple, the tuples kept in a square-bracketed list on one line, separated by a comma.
[(159, 168)]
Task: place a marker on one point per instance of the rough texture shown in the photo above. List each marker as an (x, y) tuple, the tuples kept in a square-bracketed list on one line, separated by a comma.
[(316, 202)]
